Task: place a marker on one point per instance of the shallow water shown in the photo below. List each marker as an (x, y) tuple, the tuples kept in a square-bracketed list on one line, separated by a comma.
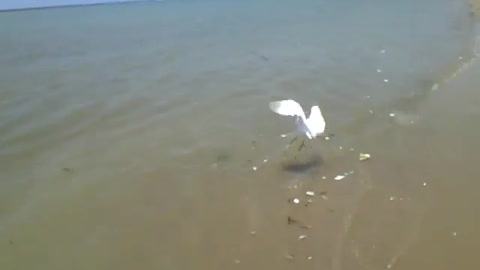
[(129, 135)]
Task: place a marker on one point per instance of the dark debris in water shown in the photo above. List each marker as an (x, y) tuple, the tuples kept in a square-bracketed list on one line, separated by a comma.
[(67, 169), (261, 56), (309, 201), (264, 58), (292, 221)]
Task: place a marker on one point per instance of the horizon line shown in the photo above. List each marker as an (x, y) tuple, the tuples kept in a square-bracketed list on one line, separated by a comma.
[(74, 5)]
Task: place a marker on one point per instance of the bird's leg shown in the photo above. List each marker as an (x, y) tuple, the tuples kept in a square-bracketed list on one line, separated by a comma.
[(301, 146), (294, 139), (290, 143)]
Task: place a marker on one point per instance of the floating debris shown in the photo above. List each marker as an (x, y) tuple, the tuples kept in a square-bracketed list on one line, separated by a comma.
[(253, 232), (341, 176), (324, 177), (309, 257), (310, 193), (424, 184), (264, 58), (283, 135), (237, 261), (435, 87), (391, 115), (301, 237), (379, 70), (370, 111), (254, 168), (454, 233), (382, 51), (292, 221), (363, 156), (289, 256), (327, 138), (352, 149), (265, 161), (296, 201), (309, 201), (392, 198), (385, 80)]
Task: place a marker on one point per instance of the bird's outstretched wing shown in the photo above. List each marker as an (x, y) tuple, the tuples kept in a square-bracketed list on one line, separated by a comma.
[(287, 107)]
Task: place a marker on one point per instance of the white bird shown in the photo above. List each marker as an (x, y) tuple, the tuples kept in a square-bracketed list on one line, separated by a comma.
[(312, 126)]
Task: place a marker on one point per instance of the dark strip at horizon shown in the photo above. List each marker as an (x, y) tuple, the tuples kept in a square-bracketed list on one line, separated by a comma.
[(75, 5)]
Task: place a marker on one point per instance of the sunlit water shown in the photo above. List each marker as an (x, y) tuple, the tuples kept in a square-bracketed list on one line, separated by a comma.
[(138, 136)]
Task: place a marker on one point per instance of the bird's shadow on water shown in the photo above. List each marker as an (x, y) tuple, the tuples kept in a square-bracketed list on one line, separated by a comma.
[(303, 166)]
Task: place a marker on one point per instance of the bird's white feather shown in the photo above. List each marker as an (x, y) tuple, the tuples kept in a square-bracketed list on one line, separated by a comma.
[(315, 121), (287, 107)]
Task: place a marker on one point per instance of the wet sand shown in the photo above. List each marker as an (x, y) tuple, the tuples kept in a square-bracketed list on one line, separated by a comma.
[(411, 206)]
